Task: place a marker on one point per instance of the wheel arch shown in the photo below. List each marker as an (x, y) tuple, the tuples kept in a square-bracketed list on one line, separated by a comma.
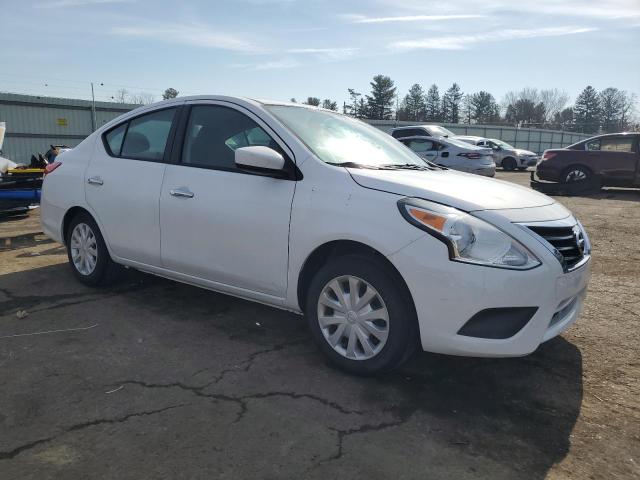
[(337, 248), (68, 216)]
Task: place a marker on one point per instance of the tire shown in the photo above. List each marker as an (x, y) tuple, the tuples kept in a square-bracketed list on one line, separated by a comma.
[(388, 294), (576, 173), (509, 164), (83, 233)]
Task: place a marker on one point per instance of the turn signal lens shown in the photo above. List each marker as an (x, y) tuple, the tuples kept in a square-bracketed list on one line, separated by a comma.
[(548, 155), (428, 218)]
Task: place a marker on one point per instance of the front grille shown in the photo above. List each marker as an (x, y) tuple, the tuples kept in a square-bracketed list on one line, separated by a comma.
[(568, 241)]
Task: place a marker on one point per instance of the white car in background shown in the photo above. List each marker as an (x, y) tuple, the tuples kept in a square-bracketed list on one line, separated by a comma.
[(453, 153), (506, 156), (314, 212)]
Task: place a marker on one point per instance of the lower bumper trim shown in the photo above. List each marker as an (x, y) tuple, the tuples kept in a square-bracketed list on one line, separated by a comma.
[(498, 323)]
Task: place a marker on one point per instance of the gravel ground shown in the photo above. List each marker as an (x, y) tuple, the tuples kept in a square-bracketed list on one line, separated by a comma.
[(163, 380)]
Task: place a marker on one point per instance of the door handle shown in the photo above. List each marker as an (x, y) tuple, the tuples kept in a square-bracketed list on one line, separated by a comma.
[(181, 192), (95, 181)]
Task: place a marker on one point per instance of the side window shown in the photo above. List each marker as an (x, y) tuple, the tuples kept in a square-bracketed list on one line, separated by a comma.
[(420, 146), (617, 144), (592, 145), (147, 135), (214, 133), (114, 139)]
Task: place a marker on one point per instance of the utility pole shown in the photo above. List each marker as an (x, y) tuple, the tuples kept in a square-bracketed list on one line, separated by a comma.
[(93, 109)]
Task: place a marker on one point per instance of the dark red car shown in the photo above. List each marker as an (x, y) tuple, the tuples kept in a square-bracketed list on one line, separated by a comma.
[(612, 159)]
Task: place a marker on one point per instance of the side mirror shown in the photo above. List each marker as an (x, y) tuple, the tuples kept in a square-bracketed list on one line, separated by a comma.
[(259, 158)]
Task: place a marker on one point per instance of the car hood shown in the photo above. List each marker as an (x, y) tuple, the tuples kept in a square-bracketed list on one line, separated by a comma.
[(456, 189), (524, 152)]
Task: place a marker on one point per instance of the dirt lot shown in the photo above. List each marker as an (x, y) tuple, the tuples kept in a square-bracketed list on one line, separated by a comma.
[(162, 380)]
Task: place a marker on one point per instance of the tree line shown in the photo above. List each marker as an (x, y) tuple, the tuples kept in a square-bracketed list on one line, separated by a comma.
[(609, 110)]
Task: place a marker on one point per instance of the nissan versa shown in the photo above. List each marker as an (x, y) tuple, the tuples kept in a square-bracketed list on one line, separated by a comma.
[(314, 212)]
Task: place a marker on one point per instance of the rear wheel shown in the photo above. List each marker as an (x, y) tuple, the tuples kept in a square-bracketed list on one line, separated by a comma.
[(576, 173), (88, 255), (509, 164), (360, 316)]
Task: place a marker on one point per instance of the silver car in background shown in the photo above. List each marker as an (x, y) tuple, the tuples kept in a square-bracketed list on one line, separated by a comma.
[(506, 156), (453, 153)]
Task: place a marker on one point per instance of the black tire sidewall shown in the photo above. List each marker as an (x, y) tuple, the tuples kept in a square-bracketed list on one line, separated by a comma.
[(403, 331), (99, 273), (509, 164)]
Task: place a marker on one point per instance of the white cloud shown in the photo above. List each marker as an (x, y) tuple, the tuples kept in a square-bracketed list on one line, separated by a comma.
[(270, 65), (80, 3), (596, 9), (188, 34), (409, 18), (462, 41), (328, 54)]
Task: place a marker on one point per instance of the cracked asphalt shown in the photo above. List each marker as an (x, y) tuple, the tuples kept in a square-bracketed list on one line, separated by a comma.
[(154, 379)]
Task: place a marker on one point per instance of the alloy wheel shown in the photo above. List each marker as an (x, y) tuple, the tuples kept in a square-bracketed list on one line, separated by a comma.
[(575, 176), (84, 249), (353, 317)]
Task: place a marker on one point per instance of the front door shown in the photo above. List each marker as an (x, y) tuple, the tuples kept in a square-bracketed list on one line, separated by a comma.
[(123, 183), (614, 157), (219, 223)]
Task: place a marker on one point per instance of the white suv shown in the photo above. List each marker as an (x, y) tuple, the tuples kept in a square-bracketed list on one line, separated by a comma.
[(314, 212)]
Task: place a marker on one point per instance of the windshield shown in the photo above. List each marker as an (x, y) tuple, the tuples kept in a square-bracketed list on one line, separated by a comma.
[(436, 130), (502, 144), (338, 139)]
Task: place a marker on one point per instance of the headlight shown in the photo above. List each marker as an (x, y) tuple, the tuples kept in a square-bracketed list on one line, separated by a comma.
[(468, 238)]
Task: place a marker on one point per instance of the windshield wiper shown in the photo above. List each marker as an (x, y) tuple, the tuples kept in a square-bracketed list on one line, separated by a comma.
[(405, 166), (353, 165)]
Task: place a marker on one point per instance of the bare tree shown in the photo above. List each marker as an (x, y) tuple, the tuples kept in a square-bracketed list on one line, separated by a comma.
[(121, 95), (142, 98), (554, 102)]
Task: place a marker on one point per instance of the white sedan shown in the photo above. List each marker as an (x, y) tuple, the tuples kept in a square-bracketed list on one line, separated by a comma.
[(453, 153), (314, 212)]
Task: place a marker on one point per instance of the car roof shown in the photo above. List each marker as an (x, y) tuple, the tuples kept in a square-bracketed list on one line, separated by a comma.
[(470, 137), (406, 127)]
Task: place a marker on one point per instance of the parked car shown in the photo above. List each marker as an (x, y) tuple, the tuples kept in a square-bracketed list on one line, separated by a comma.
[(506, 156), (612, 159), (314, 212), (422, 131), (453, 153)]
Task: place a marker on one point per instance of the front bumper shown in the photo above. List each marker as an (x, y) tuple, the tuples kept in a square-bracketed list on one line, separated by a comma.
[(529, 162), (447, 294)]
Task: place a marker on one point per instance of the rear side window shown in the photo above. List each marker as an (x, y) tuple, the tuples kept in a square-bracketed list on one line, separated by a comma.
[(214, 133), (617, 144), (419, 146), (147, 135), (593, 145), (114, 139)]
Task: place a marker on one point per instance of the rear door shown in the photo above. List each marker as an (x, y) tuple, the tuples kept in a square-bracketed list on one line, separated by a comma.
[(613, 157), (123, 184)]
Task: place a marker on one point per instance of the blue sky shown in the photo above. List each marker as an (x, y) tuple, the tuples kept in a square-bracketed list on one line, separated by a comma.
[(297, 48)]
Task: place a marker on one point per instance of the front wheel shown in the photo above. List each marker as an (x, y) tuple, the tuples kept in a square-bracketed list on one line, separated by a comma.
[(360, 315)]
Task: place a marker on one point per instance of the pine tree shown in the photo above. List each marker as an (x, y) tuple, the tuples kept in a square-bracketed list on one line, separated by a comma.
[(586, 111), (413, 106), (451, 104), (330, 105), (432, 104), (380, 102), (484, 107)]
